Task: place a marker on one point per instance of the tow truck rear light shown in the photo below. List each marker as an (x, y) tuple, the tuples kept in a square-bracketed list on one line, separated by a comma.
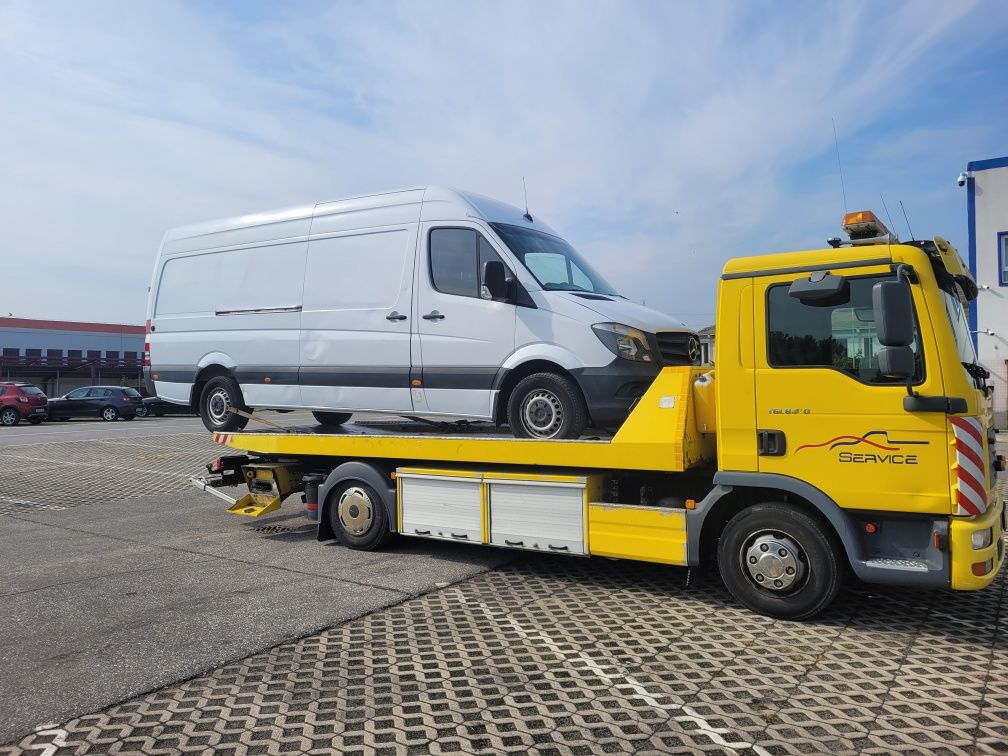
[(146, 357), (864, 227), (217, 465)]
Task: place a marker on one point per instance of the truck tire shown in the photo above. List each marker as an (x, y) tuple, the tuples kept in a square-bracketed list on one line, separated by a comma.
[(779, 560), (334, 419), (357, 516), (546, 405), (219, 395)]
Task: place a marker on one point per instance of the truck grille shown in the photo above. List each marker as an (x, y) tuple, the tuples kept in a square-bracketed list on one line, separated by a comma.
[(677, 348)]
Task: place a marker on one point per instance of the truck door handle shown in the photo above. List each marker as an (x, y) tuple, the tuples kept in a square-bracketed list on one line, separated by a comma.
[(771, 443), (395, 316), (433, 315)]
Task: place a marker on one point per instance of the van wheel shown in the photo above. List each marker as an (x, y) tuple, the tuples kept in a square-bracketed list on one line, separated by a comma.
[(219, 396), (357, 516), (331, 418), (547, 405), (780, 561), (9, 417)]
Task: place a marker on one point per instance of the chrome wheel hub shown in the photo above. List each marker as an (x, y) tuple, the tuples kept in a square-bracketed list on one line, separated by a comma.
[(542, 413), (356, 511), (774, 561), (219, 406)]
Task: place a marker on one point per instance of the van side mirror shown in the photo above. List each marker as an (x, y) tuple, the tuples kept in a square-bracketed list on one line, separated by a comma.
[(495, 279), (893, 308), (821, 289)]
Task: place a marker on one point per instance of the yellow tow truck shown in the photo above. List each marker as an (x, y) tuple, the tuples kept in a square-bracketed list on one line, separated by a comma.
[(845, 428)]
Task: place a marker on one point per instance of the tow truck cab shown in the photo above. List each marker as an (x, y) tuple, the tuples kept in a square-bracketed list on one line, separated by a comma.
[(848, 376)]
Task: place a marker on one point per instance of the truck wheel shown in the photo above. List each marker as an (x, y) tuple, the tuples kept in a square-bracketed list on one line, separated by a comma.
[(780, 561), (546, 405), (357, 516), (218, 397), (331, 418), (9, 417)]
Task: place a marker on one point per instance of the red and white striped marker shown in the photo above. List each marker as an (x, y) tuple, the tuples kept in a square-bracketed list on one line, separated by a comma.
[(970, 466), (222, 438)]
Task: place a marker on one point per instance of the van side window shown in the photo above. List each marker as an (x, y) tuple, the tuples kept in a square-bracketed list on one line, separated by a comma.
[(840, 336), (456, 260)]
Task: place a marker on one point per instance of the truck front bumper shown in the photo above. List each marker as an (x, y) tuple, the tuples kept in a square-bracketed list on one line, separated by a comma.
[(975, 568)]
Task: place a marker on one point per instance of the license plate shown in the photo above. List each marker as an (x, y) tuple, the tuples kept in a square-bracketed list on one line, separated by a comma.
[(39, 411)]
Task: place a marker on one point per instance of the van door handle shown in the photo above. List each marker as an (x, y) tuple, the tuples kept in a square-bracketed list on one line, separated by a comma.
[(395, 316), (433, 315)]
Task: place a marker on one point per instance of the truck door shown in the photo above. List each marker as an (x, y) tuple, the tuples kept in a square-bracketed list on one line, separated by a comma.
[(356, 317), (464, 336), (825, 414)]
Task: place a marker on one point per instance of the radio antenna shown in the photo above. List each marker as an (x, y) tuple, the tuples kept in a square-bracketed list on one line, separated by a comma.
[(836, 144), (907, 221), (525, 189), (891, 224)]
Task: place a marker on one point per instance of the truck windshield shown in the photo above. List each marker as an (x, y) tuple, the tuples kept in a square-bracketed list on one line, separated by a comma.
[(552, 262), (960, 327)]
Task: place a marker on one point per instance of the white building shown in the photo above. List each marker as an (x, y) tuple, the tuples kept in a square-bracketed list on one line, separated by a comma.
[(986, 184)]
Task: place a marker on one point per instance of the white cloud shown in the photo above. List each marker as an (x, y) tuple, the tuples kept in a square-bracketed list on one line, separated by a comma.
[(661, 138)]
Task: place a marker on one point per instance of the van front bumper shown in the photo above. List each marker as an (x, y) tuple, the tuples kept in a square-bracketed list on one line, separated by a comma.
[(975, 568), (610, 391)]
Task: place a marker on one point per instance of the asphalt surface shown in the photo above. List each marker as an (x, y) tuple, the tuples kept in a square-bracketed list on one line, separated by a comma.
[(106, 598), (141, 618)]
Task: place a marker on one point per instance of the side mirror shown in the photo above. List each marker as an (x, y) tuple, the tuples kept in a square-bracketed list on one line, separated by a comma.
[(896, 362), (894, 320), (495, 279), (821, 289)]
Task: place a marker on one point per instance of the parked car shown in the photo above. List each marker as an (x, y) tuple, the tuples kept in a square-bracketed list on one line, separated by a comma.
[(22, 401), (107, 402), (428, 302), (155, 406)]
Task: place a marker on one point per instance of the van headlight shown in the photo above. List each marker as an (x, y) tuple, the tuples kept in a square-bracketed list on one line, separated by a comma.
[(624, 341), (983, 538)]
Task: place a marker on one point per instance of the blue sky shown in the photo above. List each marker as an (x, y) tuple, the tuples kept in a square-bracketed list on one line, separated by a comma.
[(659, 138)]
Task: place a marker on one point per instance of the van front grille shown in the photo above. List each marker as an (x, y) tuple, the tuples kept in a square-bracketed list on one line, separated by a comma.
[(677, 348)]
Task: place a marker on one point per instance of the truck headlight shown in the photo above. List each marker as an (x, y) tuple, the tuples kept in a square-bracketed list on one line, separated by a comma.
[(982, 538), (624, 341)]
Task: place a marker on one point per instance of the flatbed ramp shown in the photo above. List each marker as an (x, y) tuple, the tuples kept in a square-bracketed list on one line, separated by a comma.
[(661, 434)]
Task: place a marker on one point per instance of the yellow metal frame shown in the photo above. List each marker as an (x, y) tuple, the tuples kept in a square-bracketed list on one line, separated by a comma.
[(963, 555), (660, 435)]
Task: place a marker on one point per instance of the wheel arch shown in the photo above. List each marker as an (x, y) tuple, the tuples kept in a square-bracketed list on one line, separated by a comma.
[(374, 475), (734, 491), (508, 379), (203, 377)]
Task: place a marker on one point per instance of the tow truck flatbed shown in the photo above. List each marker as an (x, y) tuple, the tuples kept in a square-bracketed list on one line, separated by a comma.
[(660, 435)]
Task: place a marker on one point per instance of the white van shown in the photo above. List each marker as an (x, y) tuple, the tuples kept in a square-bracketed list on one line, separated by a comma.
[(422, 302)]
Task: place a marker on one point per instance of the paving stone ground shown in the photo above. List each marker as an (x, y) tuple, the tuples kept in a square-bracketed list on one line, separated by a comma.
[(563, 656)]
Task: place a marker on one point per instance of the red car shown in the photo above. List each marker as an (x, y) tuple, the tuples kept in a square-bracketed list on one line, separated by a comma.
[(22, 401)]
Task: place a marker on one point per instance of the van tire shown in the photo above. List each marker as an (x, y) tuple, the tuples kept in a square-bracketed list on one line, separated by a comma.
[(331, 418), (357, 516), (547, 405), (218, 395), (807, 575)]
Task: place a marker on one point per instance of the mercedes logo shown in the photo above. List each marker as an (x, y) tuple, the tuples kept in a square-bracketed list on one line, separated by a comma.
[(694, 349)]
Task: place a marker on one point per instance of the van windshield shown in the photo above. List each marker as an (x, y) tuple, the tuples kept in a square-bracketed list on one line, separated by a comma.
[(554, 263)]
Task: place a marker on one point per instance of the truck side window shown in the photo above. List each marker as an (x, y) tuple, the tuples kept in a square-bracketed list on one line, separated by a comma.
[(456, 260), (840, 336)]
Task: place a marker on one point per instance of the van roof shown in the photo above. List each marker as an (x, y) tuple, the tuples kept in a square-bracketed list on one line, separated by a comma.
[(435, 203)]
